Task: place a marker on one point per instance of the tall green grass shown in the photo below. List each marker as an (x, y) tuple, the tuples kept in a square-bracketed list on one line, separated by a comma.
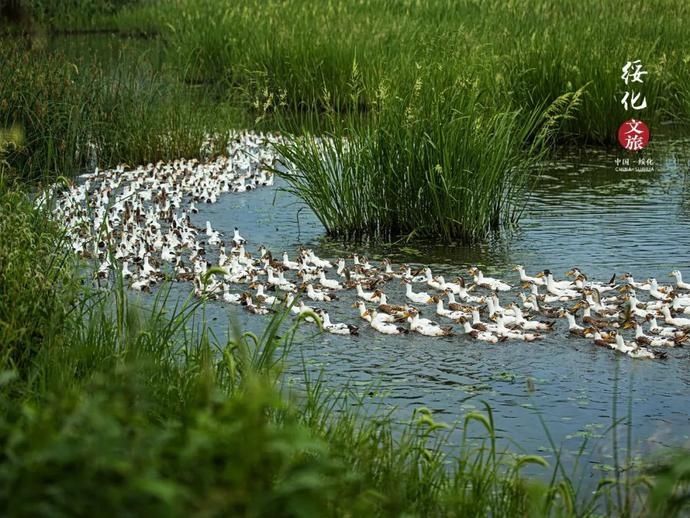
[(299, 56), (434, 163), (524, 53), (78, 112)]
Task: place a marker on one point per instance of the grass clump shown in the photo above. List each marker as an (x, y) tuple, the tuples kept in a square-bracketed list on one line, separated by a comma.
[(434, 163), (37, 284)]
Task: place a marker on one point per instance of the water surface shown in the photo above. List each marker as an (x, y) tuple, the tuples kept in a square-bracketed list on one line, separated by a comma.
[(581, 213)]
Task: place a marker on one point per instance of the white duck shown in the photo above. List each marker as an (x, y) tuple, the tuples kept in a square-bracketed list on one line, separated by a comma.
[(230, 298), (421, 297), (482, 326), (559, 289), (288, 264), (484, 336), (561, 285), (316, 261), (329, 283), (303, 308), (257, 310), (426, 327), (319, 296), (143, 285), (430, 280), (379, 323), (529, 325), (370, 296), (502, 330), (644, 286), (463, 293), (237, 239), (679, 280), (444, 285), (678, 302), (657, 292), (573, 327), (337, 329), (621, 346), (213, 235), (676, 322), (539, 281), (635, 351), (488, 282), (408, 275), (654, 341), (656, 329), (261, 294), (367, 314), (548, 299), (448, 313)]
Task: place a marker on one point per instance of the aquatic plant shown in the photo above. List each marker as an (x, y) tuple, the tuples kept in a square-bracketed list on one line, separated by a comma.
[(434, 163)]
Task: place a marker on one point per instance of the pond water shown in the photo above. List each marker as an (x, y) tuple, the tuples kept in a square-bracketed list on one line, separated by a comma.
[(581, 213)]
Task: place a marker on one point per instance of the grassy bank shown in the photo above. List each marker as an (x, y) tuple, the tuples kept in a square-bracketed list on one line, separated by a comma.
[(78, 112), (109, 404), (523, 53), (529, 53)]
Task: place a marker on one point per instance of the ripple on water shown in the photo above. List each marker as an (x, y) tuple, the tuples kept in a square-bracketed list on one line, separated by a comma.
[(582, 214)]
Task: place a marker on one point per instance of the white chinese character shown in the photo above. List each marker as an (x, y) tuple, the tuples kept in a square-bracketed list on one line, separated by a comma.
[(633, 126), (634, 97), (636, 75), (633, 142)]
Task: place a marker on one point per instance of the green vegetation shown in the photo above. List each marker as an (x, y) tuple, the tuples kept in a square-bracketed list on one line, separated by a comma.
[(106, 404), (326, 67), (434, 115), (77, 113), (434, 163), (529, 53)]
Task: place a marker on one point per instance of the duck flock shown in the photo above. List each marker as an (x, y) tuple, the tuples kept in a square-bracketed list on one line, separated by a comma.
[(135, 222)]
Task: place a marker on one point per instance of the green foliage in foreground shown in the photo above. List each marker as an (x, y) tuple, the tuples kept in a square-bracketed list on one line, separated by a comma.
[(129, 410)]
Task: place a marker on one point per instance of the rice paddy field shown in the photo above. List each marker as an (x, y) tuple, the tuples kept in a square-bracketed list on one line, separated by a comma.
[(290, 258)]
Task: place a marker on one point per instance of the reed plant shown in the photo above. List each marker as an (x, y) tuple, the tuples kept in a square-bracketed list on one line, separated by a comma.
[(78, 113), (525, 54), (434, 163)]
